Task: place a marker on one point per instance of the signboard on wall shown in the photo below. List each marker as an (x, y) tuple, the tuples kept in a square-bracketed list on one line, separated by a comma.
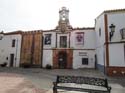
[(82, 53), (79, 38), (47, 40)]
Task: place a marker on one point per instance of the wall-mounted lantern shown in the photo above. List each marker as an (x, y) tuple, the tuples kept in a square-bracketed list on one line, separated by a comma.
[(112, 27), (1, 35), (122, 32)]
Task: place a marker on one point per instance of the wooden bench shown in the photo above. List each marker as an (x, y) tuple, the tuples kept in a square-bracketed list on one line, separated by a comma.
[(80, 80)]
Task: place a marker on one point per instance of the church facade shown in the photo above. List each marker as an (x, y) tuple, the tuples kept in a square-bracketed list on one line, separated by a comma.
[(67, 47), (101, 47)]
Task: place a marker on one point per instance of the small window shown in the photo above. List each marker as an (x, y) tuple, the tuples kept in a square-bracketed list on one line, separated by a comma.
[(6, 58), (84, 61), (99, 31), (13, 42)]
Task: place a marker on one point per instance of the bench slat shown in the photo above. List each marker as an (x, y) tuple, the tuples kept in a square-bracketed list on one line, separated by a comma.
[(81, 89)]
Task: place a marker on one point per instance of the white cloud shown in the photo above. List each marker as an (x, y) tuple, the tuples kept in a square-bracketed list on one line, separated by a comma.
[(43, 14)]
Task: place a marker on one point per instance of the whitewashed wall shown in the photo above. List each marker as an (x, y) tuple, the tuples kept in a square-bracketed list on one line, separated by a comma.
[(116, 51), (77, 58), (87, 48), (6, 49), (47, 57), (100, 40), (116, 55), (89, 39), (100, 52), (99, 24)]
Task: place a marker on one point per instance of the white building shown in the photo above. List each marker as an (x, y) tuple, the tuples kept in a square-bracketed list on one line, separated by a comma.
[(67, 47), (10, 46), (110, 42)]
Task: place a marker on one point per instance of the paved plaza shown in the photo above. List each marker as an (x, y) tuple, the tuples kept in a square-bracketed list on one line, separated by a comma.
[(40, 80)]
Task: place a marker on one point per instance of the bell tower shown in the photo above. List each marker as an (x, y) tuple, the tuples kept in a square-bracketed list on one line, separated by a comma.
[(63, 23), (64, 16)]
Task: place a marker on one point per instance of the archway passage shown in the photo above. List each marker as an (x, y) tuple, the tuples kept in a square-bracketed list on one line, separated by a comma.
[(62, 60)]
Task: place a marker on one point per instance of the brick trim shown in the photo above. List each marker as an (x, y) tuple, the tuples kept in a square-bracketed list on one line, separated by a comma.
[(115, 42), (106, 39), (115, 71), (66, 49)]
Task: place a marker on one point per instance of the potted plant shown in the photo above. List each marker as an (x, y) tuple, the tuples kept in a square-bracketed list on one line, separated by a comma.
[(48, 66)]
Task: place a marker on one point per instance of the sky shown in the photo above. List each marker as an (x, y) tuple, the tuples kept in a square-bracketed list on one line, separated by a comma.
[(44, 14)]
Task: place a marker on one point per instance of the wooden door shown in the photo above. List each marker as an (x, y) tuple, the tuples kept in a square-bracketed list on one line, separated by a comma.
[(11, 60)]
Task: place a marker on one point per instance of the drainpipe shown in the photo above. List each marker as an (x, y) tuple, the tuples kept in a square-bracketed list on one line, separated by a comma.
[(104, 59)]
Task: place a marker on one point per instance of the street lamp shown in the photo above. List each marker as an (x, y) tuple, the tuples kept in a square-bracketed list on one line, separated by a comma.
[(1, 35), (112, 27)]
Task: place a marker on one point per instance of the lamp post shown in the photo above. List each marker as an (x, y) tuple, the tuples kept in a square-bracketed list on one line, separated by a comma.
[(112, 27)]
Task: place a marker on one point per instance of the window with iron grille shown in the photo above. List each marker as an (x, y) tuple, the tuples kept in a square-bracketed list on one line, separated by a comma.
[(84, 61)]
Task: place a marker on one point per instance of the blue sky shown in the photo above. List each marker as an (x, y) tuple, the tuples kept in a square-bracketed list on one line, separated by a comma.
[(43, 14)]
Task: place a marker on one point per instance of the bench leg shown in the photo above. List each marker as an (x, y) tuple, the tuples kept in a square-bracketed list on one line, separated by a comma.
[(54, 87), (54, 90)]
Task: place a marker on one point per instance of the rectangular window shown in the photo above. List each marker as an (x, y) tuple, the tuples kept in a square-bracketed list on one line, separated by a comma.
[(63, 41), (122, 31), (84, 61), (47, 39), (13, 42)]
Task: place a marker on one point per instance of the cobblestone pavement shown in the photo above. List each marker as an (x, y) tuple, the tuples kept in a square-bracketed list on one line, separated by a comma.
[(43, 78)]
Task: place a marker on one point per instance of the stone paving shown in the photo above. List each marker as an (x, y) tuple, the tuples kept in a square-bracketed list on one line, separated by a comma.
[(43, 78), (15, 83)]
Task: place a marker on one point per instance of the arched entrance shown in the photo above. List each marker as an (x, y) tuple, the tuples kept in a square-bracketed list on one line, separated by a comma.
[(62, 59)]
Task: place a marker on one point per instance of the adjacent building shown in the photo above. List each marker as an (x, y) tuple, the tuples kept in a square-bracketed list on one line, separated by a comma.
[(10, 46), (110, 41)]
